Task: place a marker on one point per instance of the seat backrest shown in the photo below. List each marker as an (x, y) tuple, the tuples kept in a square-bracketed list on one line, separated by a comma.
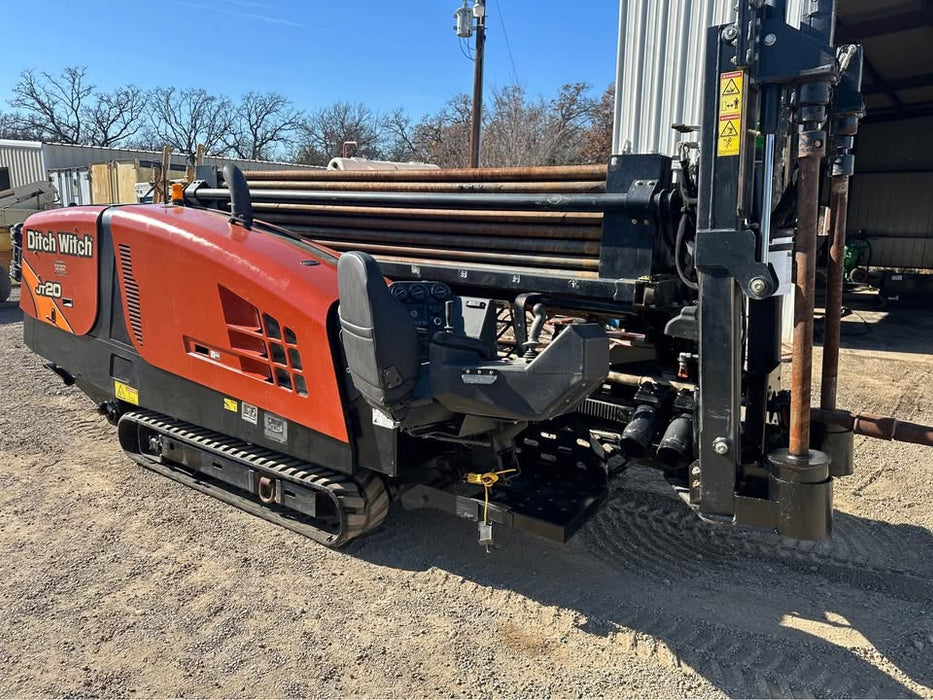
[(379, 337)]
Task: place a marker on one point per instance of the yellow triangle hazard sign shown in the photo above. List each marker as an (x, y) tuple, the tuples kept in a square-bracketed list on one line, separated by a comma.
[(731, 88), (729, 129)]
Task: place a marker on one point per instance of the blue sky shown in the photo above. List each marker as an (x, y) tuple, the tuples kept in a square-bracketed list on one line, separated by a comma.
[(388, 54)]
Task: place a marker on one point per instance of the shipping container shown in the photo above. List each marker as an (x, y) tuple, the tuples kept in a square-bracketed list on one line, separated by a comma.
[(73, 185)]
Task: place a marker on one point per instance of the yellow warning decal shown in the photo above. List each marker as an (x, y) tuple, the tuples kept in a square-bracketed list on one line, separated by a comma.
[(730, 93), (729, 138), (731, 97), (125, 392), (231, 405)]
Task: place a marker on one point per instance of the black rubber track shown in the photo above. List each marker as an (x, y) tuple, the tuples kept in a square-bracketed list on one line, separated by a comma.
[(360, 502)]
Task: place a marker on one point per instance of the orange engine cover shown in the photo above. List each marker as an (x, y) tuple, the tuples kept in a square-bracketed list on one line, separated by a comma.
[(60, 268), (241, 312)]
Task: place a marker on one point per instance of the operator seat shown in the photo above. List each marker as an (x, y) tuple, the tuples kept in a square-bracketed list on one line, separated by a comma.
[(379, 338), (463, 376)]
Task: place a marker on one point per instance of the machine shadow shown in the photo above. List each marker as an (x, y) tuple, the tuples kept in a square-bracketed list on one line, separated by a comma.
[(739, 608), (892, 329), (10, 312)]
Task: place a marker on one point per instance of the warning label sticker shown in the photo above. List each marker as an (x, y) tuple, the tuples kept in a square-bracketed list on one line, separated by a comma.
[(125, 392), (729, 138), (231, 405), (731, 96)]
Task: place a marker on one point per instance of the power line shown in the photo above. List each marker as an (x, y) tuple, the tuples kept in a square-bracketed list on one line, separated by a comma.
[(508, 46), (467, 51)]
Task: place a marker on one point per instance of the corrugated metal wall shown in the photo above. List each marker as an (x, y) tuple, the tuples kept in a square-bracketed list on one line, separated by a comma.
[(659, 75), (895, 212), (24, 159), (890, 202)]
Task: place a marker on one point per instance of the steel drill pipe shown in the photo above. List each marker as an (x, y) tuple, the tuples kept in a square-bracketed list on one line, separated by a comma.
[(878, 427), (519, 202), (808, 187), (488, 267), (556, 218), (568, 187), (636, 380), (546, 173), (407, 224), (839, 203), (530, 261), (445, 241)]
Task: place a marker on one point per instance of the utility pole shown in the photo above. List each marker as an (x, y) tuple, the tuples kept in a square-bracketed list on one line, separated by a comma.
[(465, 28)]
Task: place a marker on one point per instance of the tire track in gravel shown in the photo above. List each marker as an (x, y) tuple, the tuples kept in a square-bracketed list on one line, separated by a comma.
[(657, 532), (659, 537)]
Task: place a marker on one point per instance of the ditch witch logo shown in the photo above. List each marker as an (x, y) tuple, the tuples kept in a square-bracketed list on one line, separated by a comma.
[(60, 243)]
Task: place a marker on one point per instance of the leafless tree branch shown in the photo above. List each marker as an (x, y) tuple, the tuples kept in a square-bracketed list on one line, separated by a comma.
[(185, 118)]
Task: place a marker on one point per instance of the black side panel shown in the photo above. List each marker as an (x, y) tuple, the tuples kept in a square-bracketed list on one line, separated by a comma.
[(94, 362)]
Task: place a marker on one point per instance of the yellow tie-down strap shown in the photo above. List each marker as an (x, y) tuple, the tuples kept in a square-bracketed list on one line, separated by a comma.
[(487, 480)]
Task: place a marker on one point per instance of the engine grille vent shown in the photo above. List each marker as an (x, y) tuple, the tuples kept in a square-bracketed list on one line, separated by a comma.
[(265, 348), (131, 290)]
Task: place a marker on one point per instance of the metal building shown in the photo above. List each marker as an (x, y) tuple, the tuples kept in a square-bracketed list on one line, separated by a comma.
[(23, 162), (30, 161), (658, 84)]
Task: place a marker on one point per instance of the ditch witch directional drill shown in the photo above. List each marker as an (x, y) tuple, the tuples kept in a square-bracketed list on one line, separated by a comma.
[(258, 366)]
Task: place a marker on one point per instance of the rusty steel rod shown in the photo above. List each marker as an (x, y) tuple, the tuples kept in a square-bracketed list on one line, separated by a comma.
[(808, 187), (832, 323), (446, 241), (878, 427), (530, 261), (636, 380), (489, 267), (443, 215), (480, 228), (525, 174), (415, 200), (569, 186)]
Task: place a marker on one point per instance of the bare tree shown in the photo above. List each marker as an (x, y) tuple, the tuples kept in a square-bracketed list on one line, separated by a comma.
[(324, 132), (185, 118), (65, 108), (53, 106), (11, 127), (400, 134), (597, 139), (522, 131), (112, 118), (264, 124), (569, 117), (444, 137)]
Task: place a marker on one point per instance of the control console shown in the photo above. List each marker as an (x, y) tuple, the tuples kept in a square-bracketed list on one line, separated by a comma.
[(425, 302)]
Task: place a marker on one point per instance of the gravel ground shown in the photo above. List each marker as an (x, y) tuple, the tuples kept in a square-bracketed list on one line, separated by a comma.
[(117, 582)]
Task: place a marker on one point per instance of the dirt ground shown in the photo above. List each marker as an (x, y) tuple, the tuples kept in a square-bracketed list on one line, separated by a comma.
[(117, 582)]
